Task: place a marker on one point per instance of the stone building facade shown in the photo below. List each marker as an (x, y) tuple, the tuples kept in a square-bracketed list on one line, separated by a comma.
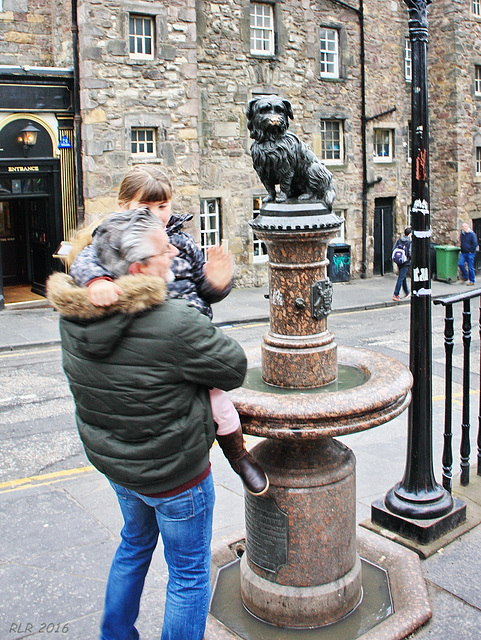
[(168, 81)]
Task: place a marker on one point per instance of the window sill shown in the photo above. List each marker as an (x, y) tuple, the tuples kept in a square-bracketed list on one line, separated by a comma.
[(331, 79), (140, 60), (270, 57), (342, 166)]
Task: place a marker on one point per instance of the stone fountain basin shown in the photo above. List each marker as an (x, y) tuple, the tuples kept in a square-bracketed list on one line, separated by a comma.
[(383, 395)]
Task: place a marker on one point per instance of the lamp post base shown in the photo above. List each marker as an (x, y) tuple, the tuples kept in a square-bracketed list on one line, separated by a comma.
[(423, 530)]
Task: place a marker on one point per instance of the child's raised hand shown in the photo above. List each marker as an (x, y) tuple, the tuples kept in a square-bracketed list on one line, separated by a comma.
[(219, 268), (103, 293)]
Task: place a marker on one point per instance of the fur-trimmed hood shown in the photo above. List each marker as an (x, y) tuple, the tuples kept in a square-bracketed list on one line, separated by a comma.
[(96, 331), (140, 293)]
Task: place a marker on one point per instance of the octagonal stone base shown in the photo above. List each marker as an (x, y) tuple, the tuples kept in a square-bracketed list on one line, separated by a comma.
[(301, 607), (408, 588)]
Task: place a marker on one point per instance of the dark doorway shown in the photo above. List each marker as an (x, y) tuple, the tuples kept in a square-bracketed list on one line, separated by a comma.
[(30, 221), (383, 235), (23, 229), (13, 240)]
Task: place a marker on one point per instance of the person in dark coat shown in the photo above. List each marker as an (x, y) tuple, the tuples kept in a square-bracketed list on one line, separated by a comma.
[(140, 372), (469, 245), (196, 280)]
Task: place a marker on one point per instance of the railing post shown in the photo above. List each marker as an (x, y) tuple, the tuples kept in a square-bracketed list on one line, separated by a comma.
[(479, 411), (465, 427), (448, 402)]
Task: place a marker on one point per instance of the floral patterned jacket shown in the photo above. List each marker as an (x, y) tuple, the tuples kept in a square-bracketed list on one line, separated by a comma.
[(188, 268)]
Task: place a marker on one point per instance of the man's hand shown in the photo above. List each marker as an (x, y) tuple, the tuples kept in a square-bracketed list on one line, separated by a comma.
[(103, 293), (219, 268)]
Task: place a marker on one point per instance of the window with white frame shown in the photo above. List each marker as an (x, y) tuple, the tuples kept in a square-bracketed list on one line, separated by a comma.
[(383, 145), (329, 53), (341, 234), (476, 7), (260, 249), (477, 80), (478, 161), (408, 60), (141, 37), (142, 142), (262, 29), (210, 224), (332, 148)]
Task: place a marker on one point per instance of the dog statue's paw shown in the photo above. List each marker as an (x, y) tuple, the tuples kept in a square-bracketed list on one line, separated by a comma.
[(267, 199), (305, 196), (281, 197)]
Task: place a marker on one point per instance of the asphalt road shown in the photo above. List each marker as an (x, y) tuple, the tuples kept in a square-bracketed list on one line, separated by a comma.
[(37, 424)]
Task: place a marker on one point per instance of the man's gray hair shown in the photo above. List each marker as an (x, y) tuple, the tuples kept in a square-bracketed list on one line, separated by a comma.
[(123, 238)]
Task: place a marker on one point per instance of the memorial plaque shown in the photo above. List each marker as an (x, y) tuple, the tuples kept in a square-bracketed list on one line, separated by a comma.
[(267, 533), (321, 299)]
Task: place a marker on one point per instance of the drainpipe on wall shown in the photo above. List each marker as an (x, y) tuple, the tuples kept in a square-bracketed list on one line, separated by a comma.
[(77, 117), (360, 14), (364, 120)]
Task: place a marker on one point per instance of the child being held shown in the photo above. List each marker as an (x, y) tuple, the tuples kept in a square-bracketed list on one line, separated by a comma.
[(196, 280)]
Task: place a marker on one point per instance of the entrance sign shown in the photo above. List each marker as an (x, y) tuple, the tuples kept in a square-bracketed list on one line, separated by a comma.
[(23, 169)]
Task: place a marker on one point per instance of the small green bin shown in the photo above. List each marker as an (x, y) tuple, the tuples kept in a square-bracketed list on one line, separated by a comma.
[(447, 263)]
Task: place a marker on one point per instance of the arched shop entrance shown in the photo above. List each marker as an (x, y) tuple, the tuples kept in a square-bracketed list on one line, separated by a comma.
[(31, 212)]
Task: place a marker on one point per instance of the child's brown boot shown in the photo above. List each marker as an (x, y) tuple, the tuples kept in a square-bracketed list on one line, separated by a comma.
[(253, 477)]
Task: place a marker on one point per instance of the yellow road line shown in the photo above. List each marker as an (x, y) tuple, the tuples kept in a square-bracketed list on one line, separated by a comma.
[(233, 327), (18, 352), (472, 392), (46, 478)]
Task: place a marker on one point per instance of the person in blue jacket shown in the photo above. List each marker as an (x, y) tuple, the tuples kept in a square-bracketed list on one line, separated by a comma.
[(404, 242), (469, 246)]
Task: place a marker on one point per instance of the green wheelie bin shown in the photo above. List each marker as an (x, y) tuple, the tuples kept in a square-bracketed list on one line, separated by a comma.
[(447, 263)]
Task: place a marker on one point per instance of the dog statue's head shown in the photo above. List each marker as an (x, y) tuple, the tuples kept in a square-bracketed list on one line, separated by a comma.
[(268, 117)]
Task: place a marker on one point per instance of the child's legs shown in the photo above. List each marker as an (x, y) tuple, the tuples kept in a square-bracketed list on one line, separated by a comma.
[(224, 412)]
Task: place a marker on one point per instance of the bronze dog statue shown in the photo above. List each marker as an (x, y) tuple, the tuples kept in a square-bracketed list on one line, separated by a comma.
[(279, 157)]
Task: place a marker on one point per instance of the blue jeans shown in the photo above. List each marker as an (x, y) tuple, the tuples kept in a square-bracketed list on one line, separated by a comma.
[(402, 280), (185, 524), (466, 258)]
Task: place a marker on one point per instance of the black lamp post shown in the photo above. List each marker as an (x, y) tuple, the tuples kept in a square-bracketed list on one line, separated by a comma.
[(418, 507)]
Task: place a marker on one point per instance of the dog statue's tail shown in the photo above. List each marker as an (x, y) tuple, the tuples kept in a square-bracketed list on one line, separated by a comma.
[(321, 184)]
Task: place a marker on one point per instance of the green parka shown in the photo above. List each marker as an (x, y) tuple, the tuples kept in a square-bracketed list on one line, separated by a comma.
[(139, 372)]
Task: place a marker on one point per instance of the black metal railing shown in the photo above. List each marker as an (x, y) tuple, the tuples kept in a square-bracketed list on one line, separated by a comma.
[(465, 447)]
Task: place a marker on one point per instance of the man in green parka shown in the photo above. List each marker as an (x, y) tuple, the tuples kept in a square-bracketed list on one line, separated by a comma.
[(139, 372)]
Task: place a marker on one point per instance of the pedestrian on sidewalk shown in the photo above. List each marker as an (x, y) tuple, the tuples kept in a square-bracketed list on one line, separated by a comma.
[(401, 256), (469, 246), (140, 372)]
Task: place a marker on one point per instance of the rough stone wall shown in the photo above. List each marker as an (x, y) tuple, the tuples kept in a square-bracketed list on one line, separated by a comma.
[(195, 91), (62, 33), (26, 33), (386, 28), (455, 46), (118, 93), (229, 75)]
